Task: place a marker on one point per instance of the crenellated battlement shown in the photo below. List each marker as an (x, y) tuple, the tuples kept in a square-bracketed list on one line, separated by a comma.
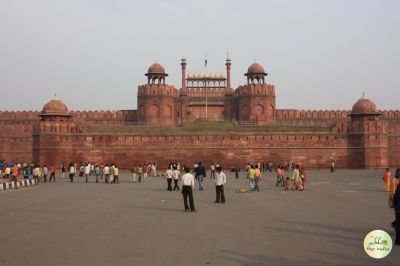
[(255, 89), (290, 114), (157, 89), (19, 115)]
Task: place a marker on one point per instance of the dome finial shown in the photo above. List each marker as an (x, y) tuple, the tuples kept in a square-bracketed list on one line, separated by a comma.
[(364, 96)]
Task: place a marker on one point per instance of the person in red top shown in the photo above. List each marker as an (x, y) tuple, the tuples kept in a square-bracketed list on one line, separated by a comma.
[(303, 178), (52, 173), (287, 184)]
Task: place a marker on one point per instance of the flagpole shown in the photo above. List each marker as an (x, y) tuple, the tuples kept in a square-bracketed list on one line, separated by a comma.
[(205, 84)]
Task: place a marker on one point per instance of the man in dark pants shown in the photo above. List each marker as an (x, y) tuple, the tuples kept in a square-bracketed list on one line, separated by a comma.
[(396, 206), (200, 173), (187, 190), (220, 180)]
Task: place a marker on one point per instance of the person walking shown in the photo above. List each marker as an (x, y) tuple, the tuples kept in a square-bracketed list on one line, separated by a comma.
[(116, 175), (169, 175), (71, 172), (220, 180), (200, 173), (250, 176), (187, 190), (175, 175), (52, 173), (332, 166)]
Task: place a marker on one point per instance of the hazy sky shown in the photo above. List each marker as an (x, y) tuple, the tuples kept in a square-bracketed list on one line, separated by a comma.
[(319, 54)]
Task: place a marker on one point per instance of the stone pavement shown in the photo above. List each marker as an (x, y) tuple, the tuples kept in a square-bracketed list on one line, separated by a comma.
[(76, 223)]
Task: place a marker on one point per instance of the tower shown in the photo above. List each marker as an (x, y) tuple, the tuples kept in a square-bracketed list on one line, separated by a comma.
[(55, 120), (228, 95), (256, 99), (156, 100), (368, 136)]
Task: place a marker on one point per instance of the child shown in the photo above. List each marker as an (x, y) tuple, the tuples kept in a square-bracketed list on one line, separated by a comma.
[(287, 184)]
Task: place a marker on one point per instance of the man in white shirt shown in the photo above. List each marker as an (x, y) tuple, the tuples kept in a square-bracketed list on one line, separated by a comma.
[(175, 175), (295, 177), (169, 175), (86, 172), (106, 171), (220, 180), (187, 189), (71, 172)]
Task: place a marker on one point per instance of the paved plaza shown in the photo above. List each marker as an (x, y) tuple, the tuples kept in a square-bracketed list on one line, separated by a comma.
[(129, 223)]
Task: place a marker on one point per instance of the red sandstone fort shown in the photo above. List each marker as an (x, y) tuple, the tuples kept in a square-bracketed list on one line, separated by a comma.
[(163, 129)]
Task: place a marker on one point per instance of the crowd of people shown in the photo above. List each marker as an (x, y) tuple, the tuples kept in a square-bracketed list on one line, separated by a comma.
[(290, 176)]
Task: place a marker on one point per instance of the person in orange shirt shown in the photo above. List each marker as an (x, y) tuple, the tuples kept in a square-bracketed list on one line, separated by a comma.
[(14, 171), (387, 179), (257, 178)]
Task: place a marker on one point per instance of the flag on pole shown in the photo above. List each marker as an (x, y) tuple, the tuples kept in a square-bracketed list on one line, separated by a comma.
[(205, 60)]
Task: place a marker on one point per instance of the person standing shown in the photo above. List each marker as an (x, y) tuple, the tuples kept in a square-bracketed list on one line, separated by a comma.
[(133, 172), (200, 173), (237, 170), (187, 190), (396, 206), (62, 170), (169, 175), (116, 175), (387, 178), (45, 173), (26, 172), (97, 172), (332, 166), (52, 173), (393, 188), (296, 178), (112, 173), (220, 180), (86, 172), (140, 173), (106, 171), (257, 178), (71, 172), (212, 175), (303, 177), (175, 175)]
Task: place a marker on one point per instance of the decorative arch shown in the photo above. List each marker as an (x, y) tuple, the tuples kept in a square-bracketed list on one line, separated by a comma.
[(154, 110), (167, 110), (258, 109)]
